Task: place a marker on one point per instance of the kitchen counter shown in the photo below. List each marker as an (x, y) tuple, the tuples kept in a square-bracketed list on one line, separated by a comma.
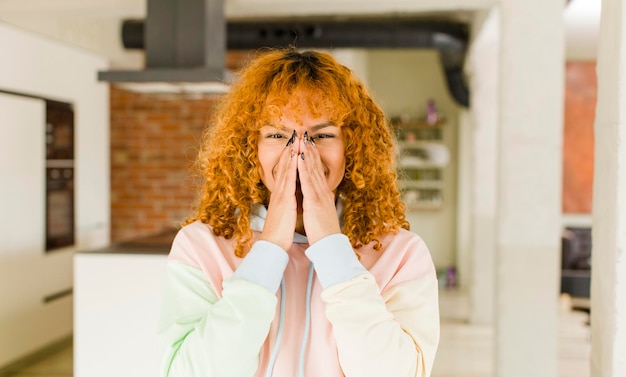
[(155, 244), (117, 295)]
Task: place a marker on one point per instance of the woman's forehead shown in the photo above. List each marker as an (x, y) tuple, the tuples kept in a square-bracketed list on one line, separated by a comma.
[(303, 104), (297, 109)]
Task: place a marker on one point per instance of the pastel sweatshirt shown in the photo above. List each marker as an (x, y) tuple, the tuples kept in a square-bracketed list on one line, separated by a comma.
[(313, 310)]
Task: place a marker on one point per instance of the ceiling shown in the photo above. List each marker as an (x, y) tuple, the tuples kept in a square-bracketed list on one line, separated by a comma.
[(95, 24)]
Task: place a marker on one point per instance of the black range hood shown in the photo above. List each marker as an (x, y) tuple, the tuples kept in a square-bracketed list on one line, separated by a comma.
[(185, 44), (185, 41)]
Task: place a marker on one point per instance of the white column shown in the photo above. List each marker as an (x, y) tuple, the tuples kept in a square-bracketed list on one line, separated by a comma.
[(529, 188), (608, 274), (483, 71)]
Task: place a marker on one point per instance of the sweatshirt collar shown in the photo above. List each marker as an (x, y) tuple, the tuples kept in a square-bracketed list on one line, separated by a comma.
[(258, 213)]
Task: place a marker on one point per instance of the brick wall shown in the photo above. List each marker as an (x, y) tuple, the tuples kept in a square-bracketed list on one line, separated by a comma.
[(580, 106), (153, 143), (154, 140)]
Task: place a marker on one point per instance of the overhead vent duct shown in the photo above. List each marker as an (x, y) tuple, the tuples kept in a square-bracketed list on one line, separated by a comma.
[(185, 49), (450, 39)]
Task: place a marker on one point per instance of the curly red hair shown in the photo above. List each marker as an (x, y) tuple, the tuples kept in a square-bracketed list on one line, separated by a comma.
[(229, 164)]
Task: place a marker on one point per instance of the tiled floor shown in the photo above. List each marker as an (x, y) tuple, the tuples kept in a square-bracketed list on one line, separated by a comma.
[(465, 350)]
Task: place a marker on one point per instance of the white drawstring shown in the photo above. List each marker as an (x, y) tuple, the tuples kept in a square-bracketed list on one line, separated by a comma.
[(279, 335), (307, 323)]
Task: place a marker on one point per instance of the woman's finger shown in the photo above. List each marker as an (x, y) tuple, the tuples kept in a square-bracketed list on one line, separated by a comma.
[(318, 204), (282, 209)]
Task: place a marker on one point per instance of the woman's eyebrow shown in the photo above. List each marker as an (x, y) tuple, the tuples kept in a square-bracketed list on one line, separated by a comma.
[(322, 125), (280, 128), (313, 128)]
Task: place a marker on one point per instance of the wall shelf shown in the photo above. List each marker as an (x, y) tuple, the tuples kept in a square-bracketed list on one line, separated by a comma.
[(422, 157)]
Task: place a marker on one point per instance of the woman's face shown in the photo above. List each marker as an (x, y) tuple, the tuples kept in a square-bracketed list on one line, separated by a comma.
[(327, 137)]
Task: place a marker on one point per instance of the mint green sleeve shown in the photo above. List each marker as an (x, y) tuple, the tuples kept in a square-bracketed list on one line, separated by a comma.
[(203, 335)]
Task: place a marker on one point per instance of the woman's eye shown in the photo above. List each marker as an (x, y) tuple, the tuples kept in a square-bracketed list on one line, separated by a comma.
[(274, 136), (322, 136)]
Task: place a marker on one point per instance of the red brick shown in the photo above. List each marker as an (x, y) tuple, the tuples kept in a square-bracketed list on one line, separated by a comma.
[(578, 147), (154, 141)]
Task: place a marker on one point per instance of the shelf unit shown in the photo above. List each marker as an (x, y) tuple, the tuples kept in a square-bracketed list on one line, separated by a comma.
[(422, 158)]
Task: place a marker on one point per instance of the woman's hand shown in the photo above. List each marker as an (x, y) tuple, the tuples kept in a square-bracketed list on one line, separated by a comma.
[(318, 203), (283, 209)]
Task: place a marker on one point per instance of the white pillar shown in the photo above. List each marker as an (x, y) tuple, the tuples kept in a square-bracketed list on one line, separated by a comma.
[(483, 71), (529, 188), (608, 273)]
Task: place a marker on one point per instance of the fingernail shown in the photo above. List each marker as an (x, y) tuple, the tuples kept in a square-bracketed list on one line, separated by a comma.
[(292, 139), (312, 140), (306, 137), (292, 153), (302, 155)]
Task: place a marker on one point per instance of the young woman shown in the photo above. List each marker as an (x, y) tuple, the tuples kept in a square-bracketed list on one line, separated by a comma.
[(298, 260)]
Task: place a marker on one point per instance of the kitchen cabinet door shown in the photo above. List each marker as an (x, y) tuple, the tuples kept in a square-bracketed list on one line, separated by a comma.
[(22, 161), (22, 222)]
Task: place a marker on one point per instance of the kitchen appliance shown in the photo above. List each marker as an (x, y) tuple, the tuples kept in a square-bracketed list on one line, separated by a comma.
[(60, 218)]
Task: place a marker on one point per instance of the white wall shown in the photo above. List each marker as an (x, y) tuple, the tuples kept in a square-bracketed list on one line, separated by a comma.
[(582, 25), (402, 81), (43, 68), (99, 33), (355, 59), (608, 283)]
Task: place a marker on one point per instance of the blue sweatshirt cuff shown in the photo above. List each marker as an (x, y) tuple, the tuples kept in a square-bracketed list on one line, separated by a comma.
[(334, 260), (264, 265)]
